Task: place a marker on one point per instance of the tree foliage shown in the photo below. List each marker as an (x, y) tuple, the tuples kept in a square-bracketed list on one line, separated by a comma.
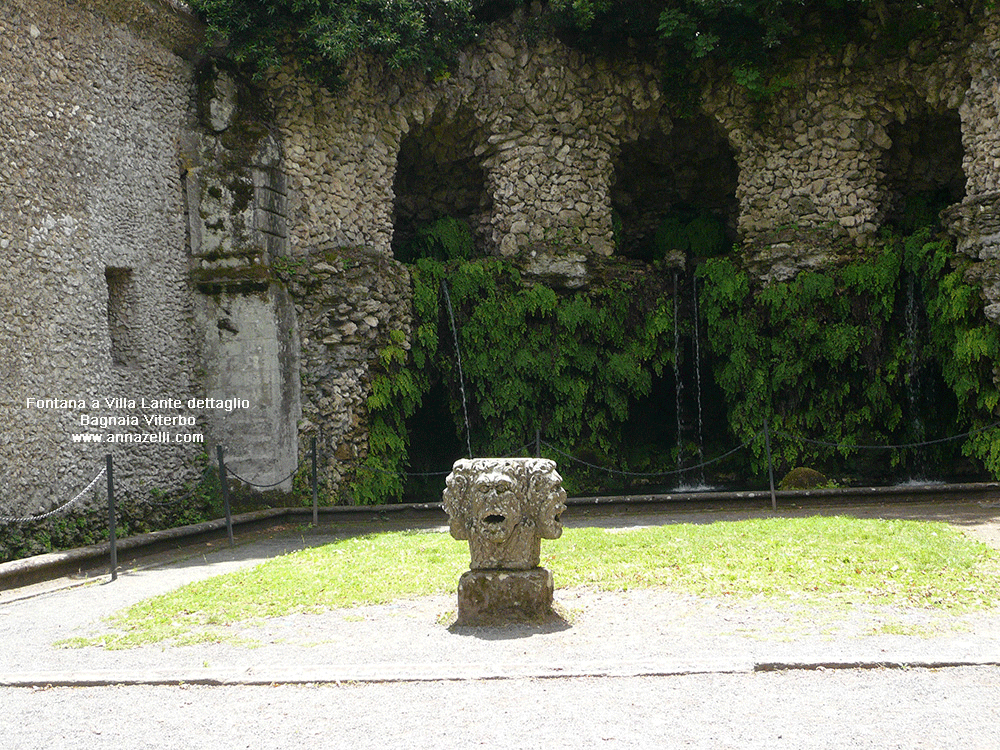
[(747, 36), (323, 35)]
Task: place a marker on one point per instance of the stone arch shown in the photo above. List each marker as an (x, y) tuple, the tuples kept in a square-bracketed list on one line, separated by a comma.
[(439, 173), (685, 167), (923, 166)]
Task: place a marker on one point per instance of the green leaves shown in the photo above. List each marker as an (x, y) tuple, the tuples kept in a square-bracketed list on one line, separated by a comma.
[(835, 356), (570, 365), (752, 38), (324, 34)]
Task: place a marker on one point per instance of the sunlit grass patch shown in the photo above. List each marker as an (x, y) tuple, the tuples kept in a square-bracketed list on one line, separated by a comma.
[(886, 562), (820, 561)]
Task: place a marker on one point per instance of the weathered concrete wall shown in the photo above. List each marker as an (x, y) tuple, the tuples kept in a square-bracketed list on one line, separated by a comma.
[(91, 217), (142, 204)]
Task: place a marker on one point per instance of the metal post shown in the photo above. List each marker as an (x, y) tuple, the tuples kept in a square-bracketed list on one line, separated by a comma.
[(314, 488), (112, 536), (538, 443), (224, 485), (770, 466)]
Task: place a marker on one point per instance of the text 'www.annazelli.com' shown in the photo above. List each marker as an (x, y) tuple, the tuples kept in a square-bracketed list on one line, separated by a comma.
[(139, 437)]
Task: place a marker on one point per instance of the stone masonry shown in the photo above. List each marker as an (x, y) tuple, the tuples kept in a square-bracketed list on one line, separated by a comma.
[(169, 229)]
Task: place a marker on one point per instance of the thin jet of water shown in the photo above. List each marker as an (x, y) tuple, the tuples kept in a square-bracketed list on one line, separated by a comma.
[(458, 357), (912, 373), (678, 385), (697, 371)]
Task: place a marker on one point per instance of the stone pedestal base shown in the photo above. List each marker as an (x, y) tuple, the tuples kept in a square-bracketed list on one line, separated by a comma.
[(499, 597)]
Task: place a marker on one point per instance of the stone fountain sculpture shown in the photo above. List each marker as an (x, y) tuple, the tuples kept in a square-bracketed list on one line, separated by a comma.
[(504, 507)]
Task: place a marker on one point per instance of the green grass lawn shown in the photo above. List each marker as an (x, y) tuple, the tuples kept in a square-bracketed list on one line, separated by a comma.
[(812, 561)]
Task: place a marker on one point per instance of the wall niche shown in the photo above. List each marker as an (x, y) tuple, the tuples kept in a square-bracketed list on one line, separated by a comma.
[(923, 168), (683, 174), (439, 174)]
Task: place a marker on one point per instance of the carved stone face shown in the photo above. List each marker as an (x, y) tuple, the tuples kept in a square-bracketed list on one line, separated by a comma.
[(553, 504), (495, 507), (504, 506)]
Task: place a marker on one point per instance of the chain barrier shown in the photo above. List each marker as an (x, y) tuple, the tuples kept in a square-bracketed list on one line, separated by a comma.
[(376, 470), (652, 474), (526, 448), (236, 476), (937, 441), (39, 517), (523, 449)]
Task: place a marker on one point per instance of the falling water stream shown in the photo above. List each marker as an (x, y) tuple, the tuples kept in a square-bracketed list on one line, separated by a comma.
[(697, 371), (912, 373), (678, 385), (458, 357), (697, 421)]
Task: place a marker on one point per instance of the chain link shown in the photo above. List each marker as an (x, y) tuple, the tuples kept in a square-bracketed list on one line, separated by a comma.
[(656, 473), (938, 441), (376, 470), (39, 517), (234, 475)]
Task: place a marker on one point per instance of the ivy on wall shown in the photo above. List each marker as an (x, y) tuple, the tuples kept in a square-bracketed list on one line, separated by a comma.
[(828, 356), (569, 365)]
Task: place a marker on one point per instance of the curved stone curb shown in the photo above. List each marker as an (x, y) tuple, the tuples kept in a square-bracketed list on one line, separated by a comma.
[(436, 672), (26, 571), (30, 570)]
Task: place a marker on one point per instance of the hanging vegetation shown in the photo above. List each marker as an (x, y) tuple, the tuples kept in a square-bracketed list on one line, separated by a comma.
[(829, 360), (890, 349), (571, 366)]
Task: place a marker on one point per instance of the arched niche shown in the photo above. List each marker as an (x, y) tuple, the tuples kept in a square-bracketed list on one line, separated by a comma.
[(923, 168), (439, 174), (687, 172)]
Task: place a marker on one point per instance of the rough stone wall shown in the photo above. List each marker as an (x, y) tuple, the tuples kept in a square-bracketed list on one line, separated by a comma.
[(91, 218), (350, 304), (528, 140), (544, 122), (817, 169), (813, 181), (976, 221)]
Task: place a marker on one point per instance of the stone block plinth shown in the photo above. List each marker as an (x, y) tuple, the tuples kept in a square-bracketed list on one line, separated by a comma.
[(499, 597)]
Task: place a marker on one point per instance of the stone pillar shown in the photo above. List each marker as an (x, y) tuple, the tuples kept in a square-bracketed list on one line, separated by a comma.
[(809, 187), (504, 507), (237, 212), (811, 184), (975, 222), (550, 192)]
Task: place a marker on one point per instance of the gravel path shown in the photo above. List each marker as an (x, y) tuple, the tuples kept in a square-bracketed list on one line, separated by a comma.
[(642, 668)]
